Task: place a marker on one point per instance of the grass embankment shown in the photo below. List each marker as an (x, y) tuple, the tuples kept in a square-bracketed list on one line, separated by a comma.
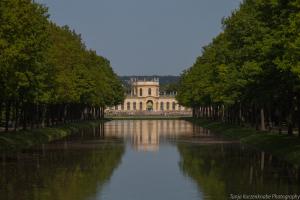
[(281, 145), (25, 139)]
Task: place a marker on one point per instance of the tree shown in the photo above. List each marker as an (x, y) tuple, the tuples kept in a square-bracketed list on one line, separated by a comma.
[(23, 40), (251, 69), (47, 75)]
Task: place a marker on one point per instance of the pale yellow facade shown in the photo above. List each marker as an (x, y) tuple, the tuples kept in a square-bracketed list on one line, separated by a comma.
[(146, 135), (145, 96)]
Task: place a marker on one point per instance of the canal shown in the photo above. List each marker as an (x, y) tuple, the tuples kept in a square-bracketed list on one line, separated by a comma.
[(144, 159)]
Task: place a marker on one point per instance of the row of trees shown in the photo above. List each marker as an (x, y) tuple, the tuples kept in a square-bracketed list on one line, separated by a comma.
[(47, 75), (250, 73)]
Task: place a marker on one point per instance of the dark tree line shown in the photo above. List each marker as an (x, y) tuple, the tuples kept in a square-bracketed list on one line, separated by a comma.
[(47, 74), (250, 73)]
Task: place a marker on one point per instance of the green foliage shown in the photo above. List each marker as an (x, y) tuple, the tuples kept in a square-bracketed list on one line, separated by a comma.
[(46, 71), (254, 61), (283, 146), (26, 139), (80, 75), (67, 173), (221, 170), (23, 41)]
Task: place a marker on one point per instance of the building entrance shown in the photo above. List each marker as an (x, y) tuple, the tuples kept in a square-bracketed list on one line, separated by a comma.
[(150, 105)]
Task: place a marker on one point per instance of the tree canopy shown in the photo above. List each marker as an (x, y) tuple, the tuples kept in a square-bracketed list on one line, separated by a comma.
[(47, 74), (250, 71)]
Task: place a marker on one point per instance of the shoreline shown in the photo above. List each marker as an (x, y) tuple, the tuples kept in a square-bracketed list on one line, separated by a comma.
[(13, 141), (281, 145)]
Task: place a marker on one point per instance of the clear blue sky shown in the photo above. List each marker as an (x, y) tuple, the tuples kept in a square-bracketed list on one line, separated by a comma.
[(144, 37)]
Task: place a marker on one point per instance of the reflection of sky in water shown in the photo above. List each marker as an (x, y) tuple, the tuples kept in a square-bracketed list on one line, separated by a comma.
[(150, 165), (147, 175), (146, 135)]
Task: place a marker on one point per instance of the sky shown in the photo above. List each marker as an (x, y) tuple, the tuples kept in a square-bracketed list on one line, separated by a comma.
[(144, 37)]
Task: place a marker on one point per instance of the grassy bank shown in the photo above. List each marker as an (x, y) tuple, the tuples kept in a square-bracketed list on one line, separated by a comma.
[(284, 146), (25, 139)]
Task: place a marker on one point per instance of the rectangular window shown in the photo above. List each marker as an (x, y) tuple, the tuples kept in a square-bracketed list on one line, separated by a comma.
[(168, 105), (173, 105), (141, 92), (141, 105), (128, 105)]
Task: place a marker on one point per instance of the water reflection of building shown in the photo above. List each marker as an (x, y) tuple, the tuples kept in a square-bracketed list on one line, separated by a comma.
[(145, 135)]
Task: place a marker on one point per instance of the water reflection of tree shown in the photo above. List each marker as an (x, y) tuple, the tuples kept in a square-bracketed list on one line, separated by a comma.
[(60, 175), (221, 170)]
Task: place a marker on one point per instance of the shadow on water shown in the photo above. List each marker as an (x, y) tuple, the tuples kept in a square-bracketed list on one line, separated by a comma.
[(74, 168), (164, 159), (224, 169)]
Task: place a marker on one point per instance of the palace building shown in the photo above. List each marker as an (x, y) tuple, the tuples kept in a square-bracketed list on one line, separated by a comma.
[(145, 96)]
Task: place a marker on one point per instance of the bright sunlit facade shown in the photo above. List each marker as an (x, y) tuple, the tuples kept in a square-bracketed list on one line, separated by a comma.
[(145, 96)]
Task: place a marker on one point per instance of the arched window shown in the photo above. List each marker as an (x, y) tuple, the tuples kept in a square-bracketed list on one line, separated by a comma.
[(161, 106), (122, 107), (141, 105), (128, 105), (168, 105), (173, 105), (141, 92), (134, 105), (149, 91)]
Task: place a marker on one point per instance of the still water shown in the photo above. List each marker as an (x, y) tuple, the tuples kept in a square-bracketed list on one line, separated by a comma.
[(143, 159)]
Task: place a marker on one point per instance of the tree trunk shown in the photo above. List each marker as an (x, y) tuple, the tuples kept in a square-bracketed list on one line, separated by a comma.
[(240, 120), (7, 114), (0, 113), (194, 112), (280, 122), (262, 120), (290, 115), (102, 117), (290, 128), (32, 115), (223, 113), (253, 116), (48, 115), (24, 118), (298, 113), (16, 115)]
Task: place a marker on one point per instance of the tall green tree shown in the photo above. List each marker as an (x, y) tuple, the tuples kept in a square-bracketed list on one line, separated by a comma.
[(23, 40), (251, 69), (47, 74)]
